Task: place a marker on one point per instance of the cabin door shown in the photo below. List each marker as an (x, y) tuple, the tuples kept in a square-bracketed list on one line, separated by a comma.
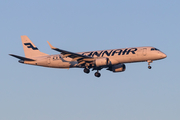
[(144, 51), (49, 60)]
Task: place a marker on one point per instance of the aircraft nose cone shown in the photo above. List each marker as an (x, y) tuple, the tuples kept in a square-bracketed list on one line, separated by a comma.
[(164, 55)]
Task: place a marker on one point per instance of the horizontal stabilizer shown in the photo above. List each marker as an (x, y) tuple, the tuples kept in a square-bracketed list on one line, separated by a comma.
[(21, 58)]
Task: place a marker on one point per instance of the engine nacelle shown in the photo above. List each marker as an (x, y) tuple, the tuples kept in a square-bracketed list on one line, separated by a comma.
[(101, 62), (117, 68)]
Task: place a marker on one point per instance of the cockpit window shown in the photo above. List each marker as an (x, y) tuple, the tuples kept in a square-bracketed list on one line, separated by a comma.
[(152, 49)]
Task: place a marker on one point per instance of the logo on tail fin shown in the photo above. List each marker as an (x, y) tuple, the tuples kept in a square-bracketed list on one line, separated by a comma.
[(29, 45)]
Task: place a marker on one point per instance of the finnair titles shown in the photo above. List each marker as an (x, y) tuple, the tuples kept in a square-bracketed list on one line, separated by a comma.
[(113, 60)]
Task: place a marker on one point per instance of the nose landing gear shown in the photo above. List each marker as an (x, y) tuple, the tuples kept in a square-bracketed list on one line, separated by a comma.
[(149, 67), (149, 62)]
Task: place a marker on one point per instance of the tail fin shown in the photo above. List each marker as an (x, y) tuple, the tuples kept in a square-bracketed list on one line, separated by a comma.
[(30, 49)]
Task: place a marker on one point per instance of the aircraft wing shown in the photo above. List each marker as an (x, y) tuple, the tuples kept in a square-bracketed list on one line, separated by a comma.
[(80, 58)]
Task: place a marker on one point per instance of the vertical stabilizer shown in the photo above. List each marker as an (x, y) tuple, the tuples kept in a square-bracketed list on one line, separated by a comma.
[(30, 50)]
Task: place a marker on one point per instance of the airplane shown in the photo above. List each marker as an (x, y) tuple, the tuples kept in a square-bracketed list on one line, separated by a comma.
[(114, 59)]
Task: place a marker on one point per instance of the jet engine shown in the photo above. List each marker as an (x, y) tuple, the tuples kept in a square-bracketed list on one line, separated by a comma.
[(101, 62), (117, 68)]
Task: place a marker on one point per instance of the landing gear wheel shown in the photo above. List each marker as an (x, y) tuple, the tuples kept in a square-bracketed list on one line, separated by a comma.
[(149, 62), (149, 67), (97, 74), (86, 70)]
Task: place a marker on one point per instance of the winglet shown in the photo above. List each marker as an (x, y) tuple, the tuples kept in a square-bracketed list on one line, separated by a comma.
[(50, 45)]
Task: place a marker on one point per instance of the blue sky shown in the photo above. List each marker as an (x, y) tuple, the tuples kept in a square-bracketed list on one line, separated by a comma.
[(34, 93)]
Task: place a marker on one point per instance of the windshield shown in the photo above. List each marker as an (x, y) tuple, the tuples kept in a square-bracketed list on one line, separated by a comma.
[(152, 49)]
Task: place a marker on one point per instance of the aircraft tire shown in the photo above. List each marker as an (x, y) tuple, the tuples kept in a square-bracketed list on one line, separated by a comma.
[(97, 74), (86, 70), (149, 67)]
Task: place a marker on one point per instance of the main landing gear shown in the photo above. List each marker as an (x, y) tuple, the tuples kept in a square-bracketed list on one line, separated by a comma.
[(86, 70), (149, 62), (97, 74)]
